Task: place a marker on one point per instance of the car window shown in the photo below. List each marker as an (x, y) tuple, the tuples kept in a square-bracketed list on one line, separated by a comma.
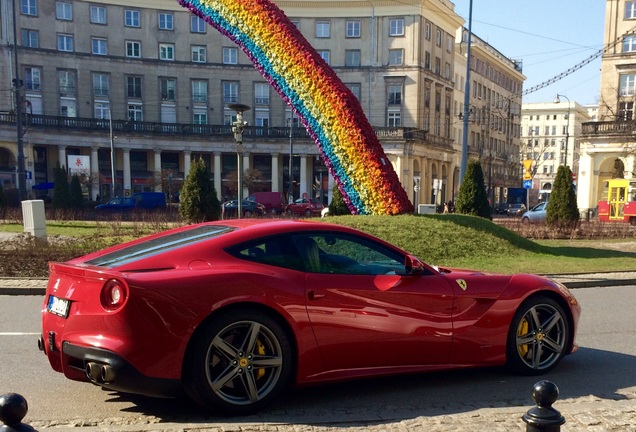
[(332, 253)]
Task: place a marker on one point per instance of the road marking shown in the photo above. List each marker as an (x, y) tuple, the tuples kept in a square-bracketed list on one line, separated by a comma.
[(18, 334)]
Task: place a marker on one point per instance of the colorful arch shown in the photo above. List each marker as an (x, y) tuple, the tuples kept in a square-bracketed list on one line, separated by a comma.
[(329, 111)]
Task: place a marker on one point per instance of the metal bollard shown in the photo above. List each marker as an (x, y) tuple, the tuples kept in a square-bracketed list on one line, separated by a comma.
[(544, 418), (13, 408)]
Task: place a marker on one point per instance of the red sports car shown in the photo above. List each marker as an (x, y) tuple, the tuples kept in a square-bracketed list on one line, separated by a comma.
[(234, 312)]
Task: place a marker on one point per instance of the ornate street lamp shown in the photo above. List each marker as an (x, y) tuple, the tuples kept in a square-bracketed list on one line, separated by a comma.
[(237, 129), (567, 124)]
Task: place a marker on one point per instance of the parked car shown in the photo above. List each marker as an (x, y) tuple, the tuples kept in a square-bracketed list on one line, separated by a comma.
[(248, 208), (516, 209), (140, 200), (117, 204), (535, 214), (501, 208), (305, 206), (274, 202), (235, 312)]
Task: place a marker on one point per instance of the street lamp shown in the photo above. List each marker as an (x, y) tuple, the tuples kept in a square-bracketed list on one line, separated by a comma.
[(17, 83), (290, 198), (237, 129), (567, 124)]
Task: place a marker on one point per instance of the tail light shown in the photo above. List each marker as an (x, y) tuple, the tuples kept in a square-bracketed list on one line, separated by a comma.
[(114, 294)]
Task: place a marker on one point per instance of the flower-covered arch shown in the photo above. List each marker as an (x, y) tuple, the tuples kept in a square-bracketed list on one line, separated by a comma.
[(329, 111)]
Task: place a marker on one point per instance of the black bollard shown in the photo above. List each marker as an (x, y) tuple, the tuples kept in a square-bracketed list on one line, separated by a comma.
[(13, 408), (544, 418)]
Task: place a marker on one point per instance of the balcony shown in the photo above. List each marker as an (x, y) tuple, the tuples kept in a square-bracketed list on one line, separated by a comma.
[(616, 128), (89, 125)]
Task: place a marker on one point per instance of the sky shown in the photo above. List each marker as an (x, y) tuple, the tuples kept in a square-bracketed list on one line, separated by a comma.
[(550, 37)]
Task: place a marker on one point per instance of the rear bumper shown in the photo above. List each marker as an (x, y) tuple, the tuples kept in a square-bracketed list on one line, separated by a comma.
[(107, 369)]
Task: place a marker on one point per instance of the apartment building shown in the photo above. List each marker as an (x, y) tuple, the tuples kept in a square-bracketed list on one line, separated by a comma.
[(152, 84), (550, 137), (607, 144)]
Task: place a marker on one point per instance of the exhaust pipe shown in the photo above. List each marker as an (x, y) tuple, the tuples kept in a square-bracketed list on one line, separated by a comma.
[(93, 371), (107, 374)]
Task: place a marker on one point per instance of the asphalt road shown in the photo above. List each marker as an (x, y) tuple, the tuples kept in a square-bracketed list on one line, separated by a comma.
[(597, 383)]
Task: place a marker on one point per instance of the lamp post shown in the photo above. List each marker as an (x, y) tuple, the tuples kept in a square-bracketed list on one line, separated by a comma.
[(464, 161), (237, 129), (113, 170), (290, 198), (567, 124), (17, 83)]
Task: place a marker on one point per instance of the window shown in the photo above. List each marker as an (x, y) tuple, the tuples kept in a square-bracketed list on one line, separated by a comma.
[(29, 7), (629, 44), (329, 253), (626, 84), (396, 27), (98, 14), (30, 38), (427, 31), (427, 60), (133, 49), (447, 71), (230, 55), (197, 24), (396, 57), (394, 119), (100, 85), (323, 29), (133, 87), (626, 111), (135, 112), (449, 43), (67, 82), (395, 95), (102, 110), (166, 52), (356, 89), (99, 46), (32, 78), (131, 18), (230, 92), (352, 58), (438, 69), (326, 55), (261, 94), (65, 42), (198, 53), (630, 9), (63, 11), (168, 89), (199, 91), (438, 38), (353, 29), (166, 21), (199, 116)]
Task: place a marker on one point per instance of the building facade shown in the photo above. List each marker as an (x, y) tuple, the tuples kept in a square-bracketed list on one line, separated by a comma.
[(607, 144), (550, 134), (152, 85)]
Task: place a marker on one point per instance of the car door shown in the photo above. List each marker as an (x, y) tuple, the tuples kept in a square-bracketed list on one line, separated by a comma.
[(366, 312)]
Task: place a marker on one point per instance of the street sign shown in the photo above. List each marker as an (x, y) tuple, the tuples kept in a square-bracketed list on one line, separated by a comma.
[(527, 184)]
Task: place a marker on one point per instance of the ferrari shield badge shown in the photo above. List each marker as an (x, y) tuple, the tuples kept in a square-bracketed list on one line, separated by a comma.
[(462, 284)]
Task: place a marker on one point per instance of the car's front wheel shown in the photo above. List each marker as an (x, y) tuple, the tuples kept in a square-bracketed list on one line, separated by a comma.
[(240, 362), (539, 336)]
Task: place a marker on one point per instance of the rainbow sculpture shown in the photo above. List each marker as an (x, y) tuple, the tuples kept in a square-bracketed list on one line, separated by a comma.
[(329, 111)]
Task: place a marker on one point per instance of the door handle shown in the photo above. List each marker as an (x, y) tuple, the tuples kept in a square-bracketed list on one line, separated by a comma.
[(313, 295)]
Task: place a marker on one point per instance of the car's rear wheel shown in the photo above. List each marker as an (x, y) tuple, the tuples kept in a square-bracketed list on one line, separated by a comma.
[(308, 213), (539, 336), (289, 212), (525, 220), (240, 362)]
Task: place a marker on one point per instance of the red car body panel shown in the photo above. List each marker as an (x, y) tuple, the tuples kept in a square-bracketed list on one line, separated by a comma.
[(342, 326)]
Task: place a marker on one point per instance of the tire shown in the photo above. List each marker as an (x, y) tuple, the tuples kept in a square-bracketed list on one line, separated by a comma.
[(308, 213), (539, 336), (289, 212), (250, 351), (525, 220)]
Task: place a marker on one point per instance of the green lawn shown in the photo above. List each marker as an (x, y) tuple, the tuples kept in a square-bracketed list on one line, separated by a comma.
[(449, 240)]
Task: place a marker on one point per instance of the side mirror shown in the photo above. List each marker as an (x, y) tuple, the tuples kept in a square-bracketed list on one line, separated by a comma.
[(413, 265)]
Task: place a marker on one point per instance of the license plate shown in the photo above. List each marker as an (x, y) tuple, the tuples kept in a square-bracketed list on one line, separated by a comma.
[(58, 306)]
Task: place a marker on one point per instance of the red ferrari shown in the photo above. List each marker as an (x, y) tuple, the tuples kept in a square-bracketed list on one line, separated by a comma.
[(234, 312)]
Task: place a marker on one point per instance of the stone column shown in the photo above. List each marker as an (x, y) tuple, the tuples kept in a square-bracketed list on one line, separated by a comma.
[(94, 172), (275, 167), (157, 170), (127, 173), (217, 176)]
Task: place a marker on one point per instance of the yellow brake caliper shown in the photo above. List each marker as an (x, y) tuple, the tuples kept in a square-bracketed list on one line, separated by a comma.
[(261, 350), (523, 330)]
